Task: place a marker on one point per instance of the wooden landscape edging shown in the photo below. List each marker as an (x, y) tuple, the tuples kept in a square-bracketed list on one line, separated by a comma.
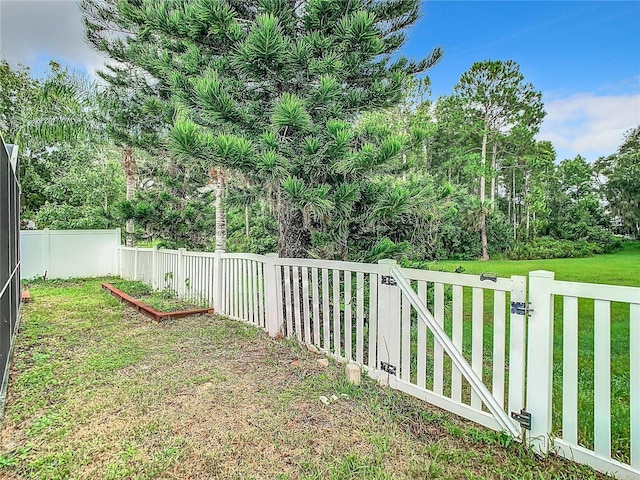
[(150, 311)]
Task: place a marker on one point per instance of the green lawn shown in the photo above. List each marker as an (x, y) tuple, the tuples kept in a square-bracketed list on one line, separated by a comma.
[(98, 391), (620, 268)]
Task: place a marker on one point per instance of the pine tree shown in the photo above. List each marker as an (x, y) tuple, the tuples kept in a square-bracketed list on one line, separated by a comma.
[(495, 99), (270, 89)]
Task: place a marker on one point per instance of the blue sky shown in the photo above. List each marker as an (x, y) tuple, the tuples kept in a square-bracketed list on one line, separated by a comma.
[(583, 56)]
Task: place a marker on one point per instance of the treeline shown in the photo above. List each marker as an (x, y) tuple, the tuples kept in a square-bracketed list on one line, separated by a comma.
[(260, 126)]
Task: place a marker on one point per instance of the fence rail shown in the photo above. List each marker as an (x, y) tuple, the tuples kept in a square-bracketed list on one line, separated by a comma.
[(457, 341), (9, 259)]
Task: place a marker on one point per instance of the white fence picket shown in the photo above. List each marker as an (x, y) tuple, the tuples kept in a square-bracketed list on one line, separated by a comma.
[(438, 353), (570, 371), (421, 370), (326, 321), (372, 358), (499, 341), (315, 299), (405, 332), (305, 305), (456, 375), (337, 349), (348, 320), (287, 294), (477, 340), (602, 379), (634, 379), (360, 318)]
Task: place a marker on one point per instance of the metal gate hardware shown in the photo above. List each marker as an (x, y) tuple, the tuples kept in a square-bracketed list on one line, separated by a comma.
[(387, 367), (389, 280), (523, 418), (489, 276), (521, 308)]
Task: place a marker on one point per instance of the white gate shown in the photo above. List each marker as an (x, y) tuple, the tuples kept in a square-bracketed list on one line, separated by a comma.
[(472, 372)]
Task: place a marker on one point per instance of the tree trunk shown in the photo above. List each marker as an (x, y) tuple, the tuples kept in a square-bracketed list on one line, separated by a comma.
[(534, 233), (247, 230), (526, 200), (483, 237), (494, 161), (484, 246), (217, 177), (294, 238), (425, 154), (404, 164), (513, 200), (129, 167)]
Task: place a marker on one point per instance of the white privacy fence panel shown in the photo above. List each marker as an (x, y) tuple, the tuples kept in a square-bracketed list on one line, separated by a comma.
[(69, 253), (597, 376)]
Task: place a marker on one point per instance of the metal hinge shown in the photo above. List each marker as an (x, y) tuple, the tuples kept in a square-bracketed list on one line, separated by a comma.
[(521, 308), (388, 280), (387, 367), (523, 418)]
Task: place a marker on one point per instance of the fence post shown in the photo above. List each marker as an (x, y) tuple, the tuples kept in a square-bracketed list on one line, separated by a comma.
[(181, 272), (517, 347), (271, 296), (135, 263), (218, 284), (154, 267), (388, 323), (540, 359)]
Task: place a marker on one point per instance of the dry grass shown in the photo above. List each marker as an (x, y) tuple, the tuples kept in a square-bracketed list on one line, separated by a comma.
[(98, 391)]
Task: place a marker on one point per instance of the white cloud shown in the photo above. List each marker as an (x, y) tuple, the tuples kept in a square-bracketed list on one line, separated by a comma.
[(32, 32), (588, 124)]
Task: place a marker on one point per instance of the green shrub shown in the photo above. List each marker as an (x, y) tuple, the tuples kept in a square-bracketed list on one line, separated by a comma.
[(546, 247)]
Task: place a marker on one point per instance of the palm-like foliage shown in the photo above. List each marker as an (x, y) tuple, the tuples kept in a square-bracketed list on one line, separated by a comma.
[(270, 89)]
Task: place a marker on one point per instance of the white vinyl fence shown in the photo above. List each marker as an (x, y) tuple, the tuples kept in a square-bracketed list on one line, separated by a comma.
[(471, 345), (69, 253)]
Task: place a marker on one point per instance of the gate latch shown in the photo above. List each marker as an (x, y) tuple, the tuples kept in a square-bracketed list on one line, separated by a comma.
[(387, 367), (521, 308), (523, 418), (388, 280), (492, 277)]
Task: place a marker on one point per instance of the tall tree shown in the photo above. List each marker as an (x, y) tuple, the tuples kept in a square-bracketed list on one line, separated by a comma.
[(621, 184), (268, 88), (495, 97), (135, 116)]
